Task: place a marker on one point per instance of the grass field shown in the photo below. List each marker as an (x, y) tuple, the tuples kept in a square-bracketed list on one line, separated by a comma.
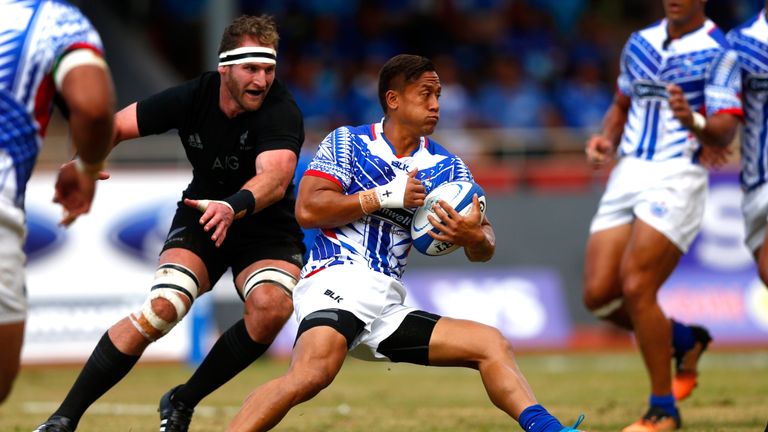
[(609, 388)]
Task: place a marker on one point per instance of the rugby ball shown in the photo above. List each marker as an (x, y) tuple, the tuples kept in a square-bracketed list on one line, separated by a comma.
[(458, 194)]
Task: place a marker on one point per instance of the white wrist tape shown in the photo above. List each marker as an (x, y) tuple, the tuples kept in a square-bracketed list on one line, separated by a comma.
[(392, 194), (699, 121), (203, 204), (91, 170)]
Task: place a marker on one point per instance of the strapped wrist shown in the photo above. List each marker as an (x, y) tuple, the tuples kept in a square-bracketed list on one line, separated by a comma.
[(699, 122), (92, 170), (369, 201), (242, 203)]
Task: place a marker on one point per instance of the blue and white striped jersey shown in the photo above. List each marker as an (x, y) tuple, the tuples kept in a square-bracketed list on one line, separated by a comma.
[(360, 158), (33, 36), (750, 40), (700, 62)]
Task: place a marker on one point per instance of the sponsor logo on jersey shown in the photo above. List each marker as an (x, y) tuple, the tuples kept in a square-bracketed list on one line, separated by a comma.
[(757, 84), (194, 141), (401, 218), (650, 90)]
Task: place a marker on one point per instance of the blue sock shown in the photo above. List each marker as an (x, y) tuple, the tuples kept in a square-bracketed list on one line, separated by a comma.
[(536, 418), (666, 402), (682, 338)]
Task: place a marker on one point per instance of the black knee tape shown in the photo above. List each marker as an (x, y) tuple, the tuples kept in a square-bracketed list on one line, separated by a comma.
[(342, 321), (410, 342)]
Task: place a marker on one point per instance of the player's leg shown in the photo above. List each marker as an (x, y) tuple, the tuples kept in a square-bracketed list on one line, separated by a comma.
[(266, 286), (180, 278), (465, 343), (13, 303), (602, 284), (649, 260), (321, 347), (12, 335)]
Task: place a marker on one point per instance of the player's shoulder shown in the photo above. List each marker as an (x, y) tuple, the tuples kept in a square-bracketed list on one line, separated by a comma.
[(649, 32), (436, 148), (750, 29), (717, 35)]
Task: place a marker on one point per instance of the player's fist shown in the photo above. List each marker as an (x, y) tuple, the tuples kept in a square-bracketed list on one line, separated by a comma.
[(679, 106), (599, 150)]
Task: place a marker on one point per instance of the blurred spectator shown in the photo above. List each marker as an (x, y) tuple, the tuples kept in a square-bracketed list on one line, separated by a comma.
[(584, 97)]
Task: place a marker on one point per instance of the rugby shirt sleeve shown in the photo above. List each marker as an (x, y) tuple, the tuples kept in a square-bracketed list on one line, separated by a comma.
[(722, 91), (164, 111), (334, 158)]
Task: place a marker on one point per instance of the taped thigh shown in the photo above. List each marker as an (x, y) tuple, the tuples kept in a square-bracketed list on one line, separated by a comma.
[(271, 275), (171, 281)]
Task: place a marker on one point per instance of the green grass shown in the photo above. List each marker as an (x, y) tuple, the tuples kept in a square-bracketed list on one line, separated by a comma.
[(609, 388)]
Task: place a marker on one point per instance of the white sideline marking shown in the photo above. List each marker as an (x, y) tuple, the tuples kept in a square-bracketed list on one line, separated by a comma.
[(119, 409)]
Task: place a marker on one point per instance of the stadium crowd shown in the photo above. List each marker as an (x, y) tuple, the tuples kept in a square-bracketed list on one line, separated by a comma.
[(503, 63)]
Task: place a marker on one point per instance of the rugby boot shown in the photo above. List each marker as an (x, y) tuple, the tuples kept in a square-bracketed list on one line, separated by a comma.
[(655, 420), (575, 425), (174, 415), (686, 373), (56, 424)]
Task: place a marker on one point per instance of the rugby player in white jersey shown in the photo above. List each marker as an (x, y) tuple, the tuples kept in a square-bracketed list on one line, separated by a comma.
[(678, 91), (361, 190), (750, 40), (48, 47)]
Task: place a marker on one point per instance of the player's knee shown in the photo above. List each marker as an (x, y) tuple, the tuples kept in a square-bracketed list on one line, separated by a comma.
[(174, 291), (637, 293), (313, 382), (273, 276)]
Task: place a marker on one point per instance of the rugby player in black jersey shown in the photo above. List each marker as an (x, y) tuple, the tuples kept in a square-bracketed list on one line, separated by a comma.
[(242, 132)]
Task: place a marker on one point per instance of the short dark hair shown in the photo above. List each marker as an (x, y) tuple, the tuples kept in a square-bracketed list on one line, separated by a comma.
[(399, 71), (262, 28)]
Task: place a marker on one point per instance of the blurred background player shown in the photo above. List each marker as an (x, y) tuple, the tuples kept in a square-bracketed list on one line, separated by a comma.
[(48, 49), (242, 133), (678, 90), (358, 188), (750, 40)]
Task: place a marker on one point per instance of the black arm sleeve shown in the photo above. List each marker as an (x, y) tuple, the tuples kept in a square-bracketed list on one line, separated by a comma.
[(164, 111)]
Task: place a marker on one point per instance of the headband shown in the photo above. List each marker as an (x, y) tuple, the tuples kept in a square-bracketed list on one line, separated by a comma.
[(248, 55)]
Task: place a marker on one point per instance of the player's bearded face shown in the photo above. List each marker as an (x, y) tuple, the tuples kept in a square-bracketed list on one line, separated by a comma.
[(248, 83)]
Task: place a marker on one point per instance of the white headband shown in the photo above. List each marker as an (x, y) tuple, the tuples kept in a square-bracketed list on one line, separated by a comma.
[(248, 55)]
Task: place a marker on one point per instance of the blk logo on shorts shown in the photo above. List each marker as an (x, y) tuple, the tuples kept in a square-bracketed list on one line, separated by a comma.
[(333, 296)]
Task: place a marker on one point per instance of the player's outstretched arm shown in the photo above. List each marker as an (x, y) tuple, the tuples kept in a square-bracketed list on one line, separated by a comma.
[(88, 92)]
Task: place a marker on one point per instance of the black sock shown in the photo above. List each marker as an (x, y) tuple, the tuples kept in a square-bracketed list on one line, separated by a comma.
[(105, 368), (233, 352)]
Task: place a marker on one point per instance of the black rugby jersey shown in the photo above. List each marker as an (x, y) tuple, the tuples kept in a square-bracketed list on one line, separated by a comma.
[(223, 151)]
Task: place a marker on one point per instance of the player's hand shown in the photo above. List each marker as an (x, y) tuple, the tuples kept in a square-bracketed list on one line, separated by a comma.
[(714, 157), (679, 106), (415, 192), (217, 216), (455, 228), (75, 190), (599, 150)]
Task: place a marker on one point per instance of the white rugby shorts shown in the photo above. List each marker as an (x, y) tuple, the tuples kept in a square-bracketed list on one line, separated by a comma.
[(374, 298), (668, 195), (13, 299), (754, 206)]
